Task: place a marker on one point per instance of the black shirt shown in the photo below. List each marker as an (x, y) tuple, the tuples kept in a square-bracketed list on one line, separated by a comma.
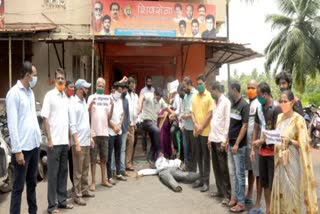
[(238, 116), (209, 34)]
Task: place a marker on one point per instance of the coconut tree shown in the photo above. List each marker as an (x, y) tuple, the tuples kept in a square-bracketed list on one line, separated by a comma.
[(296, 47)]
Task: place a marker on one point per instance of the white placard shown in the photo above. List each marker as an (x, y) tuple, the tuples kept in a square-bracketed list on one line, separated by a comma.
[(102, 100), (173, 86), (273, 137)]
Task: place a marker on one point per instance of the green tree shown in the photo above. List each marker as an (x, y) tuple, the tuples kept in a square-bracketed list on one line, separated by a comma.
[(296, 48)]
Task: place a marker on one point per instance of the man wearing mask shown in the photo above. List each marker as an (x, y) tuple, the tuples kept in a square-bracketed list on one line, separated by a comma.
[(189, 143), (217, 142), (115, 133), (239, 117), (284, 81), (25, 138), (133, 104), (81, 141), (148, 88), (69, 91), (252, 165), (100, 107), (265, 119), (56, 122), (124, 128), (201, 107)]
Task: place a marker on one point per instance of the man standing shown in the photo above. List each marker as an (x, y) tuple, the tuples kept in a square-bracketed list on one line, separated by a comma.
[(148, 88), (133, 104), (25, 138), (217, 142), (252, 165), (115, 133), (265, 119), (56, 121), (239, 117), (124, 128), (284, 81), (210, 33), (189, 143), (101, 108), (201, 108), (150, 105), (80, 140)]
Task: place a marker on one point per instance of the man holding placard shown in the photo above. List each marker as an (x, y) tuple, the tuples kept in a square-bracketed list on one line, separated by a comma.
[(266, 118)]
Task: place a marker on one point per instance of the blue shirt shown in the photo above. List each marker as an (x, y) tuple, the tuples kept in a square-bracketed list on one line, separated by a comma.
[(22, 119), (79, 121), (188, 123), (126, 117)]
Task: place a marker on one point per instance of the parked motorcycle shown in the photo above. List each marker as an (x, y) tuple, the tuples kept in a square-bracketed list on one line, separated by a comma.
[(6, 167), (314, 129)]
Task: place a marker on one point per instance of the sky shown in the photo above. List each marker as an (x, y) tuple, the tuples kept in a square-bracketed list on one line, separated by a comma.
[(247, 26)]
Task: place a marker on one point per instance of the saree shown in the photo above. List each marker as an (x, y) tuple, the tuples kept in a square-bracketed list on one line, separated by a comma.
[(165, 125), (294, 185)]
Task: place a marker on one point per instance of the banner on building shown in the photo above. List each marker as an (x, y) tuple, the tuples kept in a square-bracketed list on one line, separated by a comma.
[(153, 18), (1, 13)]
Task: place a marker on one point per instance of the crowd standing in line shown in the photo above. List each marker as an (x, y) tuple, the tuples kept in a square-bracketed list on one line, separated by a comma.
[(192, 123)]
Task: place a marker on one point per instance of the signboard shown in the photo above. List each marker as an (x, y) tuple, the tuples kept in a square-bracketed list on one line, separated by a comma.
[(1, 13), (173, 86), (153, 18), (273, 136)]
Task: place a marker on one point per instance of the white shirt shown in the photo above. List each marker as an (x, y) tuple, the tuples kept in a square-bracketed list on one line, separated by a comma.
[(55, 109), (220, 120), (151, 107), (22, 119), (254, 104), (133, 100), (146, 90), (116, 115), (99, 114), (79, 121)]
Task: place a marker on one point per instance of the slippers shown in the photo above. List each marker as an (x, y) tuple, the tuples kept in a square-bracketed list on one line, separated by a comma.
[(248, 200), (256, 211), (67, 206)]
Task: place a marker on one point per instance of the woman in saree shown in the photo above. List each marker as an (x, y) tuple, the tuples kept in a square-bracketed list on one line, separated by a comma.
[(294, 185)]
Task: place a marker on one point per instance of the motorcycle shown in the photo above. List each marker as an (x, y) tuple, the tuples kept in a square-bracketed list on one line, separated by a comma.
[(314, 129), (6, 167), (308, 113)]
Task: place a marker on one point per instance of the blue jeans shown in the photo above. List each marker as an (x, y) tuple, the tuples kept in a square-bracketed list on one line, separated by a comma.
[(239, 171)]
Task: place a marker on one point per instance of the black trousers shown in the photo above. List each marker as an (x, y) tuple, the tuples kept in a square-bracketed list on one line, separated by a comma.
[(203, 158), (154, 132), (115, 143), (220, 169), (70, 165), (57, 176), (25, 173), (190, 150)]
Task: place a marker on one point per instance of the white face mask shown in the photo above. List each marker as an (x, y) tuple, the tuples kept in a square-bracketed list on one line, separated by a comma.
[(116, 95), (33, 82)]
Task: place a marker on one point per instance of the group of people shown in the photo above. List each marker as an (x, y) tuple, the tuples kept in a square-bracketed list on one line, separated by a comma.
[(189, 124)]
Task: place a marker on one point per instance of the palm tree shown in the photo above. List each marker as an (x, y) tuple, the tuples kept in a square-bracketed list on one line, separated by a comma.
[(296, 48)]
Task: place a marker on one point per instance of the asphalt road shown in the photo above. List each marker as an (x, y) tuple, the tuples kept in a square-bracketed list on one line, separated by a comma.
[(142, 195)]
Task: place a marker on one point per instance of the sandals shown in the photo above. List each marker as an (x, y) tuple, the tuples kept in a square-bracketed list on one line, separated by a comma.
[(239, 208), (92, 187), (233, 202), (55, 211), (226, 201), (66, 206), (256, 211)]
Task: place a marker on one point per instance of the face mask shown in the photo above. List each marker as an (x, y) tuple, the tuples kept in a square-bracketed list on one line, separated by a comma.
[(181, 96), (214, 97), (33, 82), (262, 100), (149, 86), (70, 92), (116, 95), (84, 94), (285, 107), (130, 90), (59, 86), (124, 94), (200, 88), (252, 93), (187, 91), (99, 91)]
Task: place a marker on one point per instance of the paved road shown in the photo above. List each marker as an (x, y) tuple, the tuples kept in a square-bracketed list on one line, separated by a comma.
[(142, 195)]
